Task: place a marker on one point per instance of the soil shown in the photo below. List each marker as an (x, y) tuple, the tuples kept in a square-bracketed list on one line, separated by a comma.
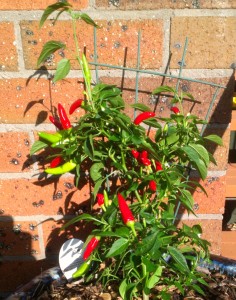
[(220, 286)]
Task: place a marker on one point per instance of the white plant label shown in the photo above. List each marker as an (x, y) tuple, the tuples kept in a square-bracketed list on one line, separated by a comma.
[(70, 257)]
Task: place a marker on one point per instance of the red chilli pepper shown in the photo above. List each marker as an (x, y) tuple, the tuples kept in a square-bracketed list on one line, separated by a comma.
[(126, 213), (92, 245), (56, 162), (175, 110), (65, 122), (135, 153), (56, 123), (75, 105), (100, 201), (143, 158), (143, 116), (152, 185), (158, 166)]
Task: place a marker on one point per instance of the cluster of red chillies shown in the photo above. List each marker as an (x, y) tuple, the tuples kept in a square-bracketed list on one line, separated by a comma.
[(64, 122), (127, 218)]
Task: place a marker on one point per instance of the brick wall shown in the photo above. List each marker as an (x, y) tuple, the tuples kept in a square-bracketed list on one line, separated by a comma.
[(31, 210)]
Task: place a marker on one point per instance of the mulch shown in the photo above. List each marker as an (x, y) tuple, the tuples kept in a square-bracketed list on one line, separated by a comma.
[(220, 286)]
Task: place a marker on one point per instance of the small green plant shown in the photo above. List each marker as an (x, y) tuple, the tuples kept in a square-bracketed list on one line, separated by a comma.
[(137, 182)]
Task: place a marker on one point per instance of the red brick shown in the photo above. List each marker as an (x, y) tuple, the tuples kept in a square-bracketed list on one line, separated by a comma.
[(211, 42), (37, 4), (8, 53), (228, 248), (152, 4), (211, 232), (17, 238), (15, 149), (220, 153), (59, 197), (214, 201), (112, 40), (18, 273), (34, 101)]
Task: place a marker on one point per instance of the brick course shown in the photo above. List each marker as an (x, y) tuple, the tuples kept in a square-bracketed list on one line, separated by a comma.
[(153, 4), (36, 4), (112, 39)]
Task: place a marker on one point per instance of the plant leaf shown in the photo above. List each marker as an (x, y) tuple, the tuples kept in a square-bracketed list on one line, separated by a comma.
[(51, 8), (49, 48), (178, 258), (86, 18), (214, 138), (85, 217), (96, 171), (153, 280), (63, 68), (141, 107), (37, 145), (118, 247), (194, 158), (122, 289), (202, 152), (163, 88)]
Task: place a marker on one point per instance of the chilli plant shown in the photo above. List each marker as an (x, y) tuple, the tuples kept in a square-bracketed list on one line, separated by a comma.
[(137, 181)]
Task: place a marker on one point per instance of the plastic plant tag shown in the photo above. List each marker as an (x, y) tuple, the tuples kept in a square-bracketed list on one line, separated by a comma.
[(70, 257)]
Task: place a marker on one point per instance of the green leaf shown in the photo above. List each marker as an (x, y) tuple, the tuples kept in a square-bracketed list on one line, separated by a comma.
[(63, 68), (178, 258), (194, 158), (117, 102), (179, 286), (88, 146), (49, 48), (118, 247), (141, 107), (123, 288), (51, 8), (190, 96), (86, 18), (83, 217), (152, 122), (37, 145), (106, 233), (202, 152), (154, 279), (123, 231), (163, 88), (150, 244), (97, 186), (198, 289), (214, 138), (197, 229), (187, 200), (96, 171), (106, 94)]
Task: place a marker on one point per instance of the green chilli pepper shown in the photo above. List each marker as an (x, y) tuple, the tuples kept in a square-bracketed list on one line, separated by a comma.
[(50, 137), (82, 269), (66, 167), (87, 72)]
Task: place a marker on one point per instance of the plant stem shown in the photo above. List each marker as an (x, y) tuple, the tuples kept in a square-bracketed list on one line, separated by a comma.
[(145, 297), (87, 83)]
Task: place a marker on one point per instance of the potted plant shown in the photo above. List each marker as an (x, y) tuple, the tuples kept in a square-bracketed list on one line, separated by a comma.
[(137, 181)]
